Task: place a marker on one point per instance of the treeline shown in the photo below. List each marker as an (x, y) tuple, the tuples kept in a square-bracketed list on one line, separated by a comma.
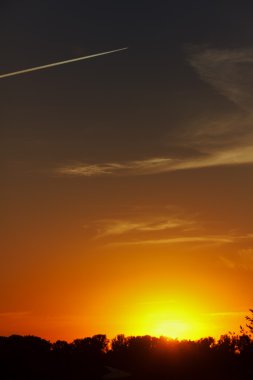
[(231, 357), (144, 357), (33, 358)]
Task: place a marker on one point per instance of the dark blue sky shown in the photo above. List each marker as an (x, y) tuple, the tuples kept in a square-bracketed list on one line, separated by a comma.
[(140, 83)]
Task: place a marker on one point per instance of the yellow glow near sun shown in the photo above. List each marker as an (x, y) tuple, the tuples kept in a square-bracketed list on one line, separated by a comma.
[(168, 319), (172, 324), (172, 329), (175, 315)]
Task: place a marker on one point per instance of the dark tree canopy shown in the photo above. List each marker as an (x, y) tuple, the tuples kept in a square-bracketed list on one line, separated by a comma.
[(142, 357)]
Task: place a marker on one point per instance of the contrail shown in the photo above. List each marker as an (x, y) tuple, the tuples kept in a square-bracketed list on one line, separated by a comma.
[(58, 63)]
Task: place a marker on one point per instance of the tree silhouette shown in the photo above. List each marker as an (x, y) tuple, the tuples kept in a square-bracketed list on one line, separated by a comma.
[(249, 320), (144, 357)]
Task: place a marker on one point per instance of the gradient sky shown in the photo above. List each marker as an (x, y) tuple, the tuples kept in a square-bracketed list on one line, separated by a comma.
[(126, 196)]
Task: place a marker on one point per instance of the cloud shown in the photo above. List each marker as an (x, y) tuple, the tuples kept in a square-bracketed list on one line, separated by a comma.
[(228, 262), (158, 230), (147, 166), (182, 237), (14, 314), (227, 140), (145, 229), (233, 156), (227, 70), (243, 259), (215, 239), (120, 227)]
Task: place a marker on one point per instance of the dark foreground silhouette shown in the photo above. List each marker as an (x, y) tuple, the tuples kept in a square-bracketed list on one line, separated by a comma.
[(141, 357)]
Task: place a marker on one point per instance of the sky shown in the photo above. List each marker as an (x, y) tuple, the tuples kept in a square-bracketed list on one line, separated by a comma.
[(126, 195)]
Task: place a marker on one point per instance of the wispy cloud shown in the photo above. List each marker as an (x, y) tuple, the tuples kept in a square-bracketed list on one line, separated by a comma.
[(227, 140), (227, 70), (146, 230), (182, 236), (179, 240), (231, 156), (14, 314), (227, 262), (147, 166), (242, 260), (120, 227)]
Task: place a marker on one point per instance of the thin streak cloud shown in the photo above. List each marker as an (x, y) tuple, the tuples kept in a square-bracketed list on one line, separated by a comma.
[(147, 166), (179, 240), (14, 314), (157, 165), (37, 68), (183, 238), (120, 227)]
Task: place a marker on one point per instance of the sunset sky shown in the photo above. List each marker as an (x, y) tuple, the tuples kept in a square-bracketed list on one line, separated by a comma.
[(126, 190)]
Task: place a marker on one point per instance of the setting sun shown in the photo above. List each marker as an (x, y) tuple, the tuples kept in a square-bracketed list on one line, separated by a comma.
[(172, 324), (172, 329)]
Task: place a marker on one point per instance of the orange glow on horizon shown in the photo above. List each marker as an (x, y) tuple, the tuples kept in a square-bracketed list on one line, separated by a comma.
[(85, 285)]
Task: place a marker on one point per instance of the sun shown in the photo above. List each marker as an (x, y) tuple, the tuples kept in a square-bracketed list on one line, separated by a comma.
[(168, 320), (178, 317), (174, 329)]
